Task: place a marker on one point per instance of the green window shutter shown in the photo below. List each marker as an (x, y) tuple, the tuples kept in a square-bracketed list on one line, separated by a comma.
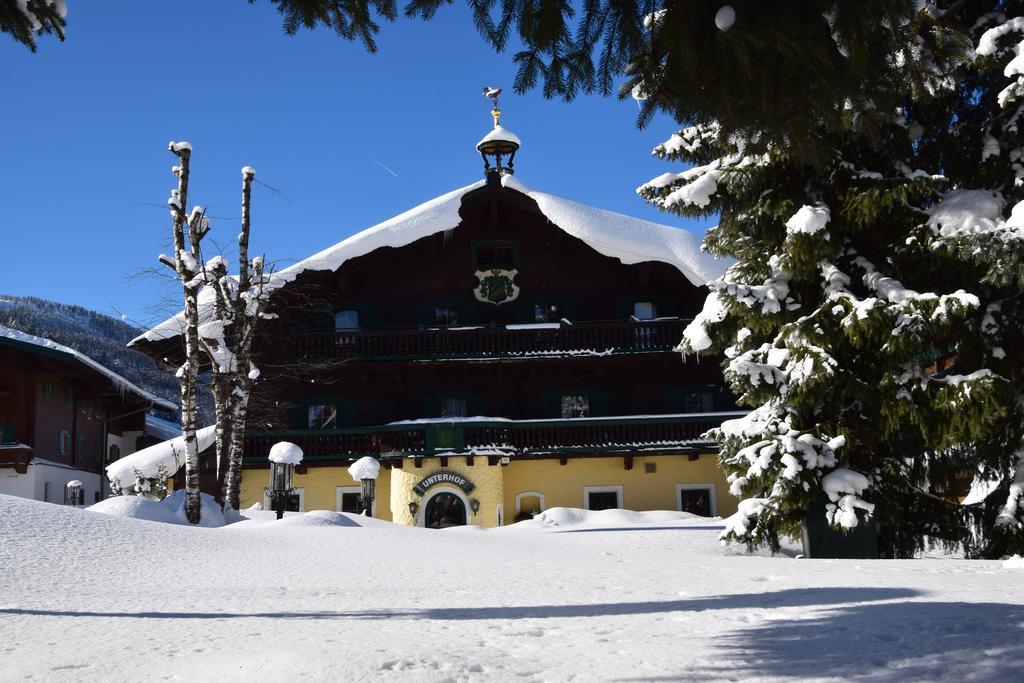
[(551, 404), (298, 417), (600, 403), (367, 315), (346, 413), (425, 314), (467, 313), (674, 400), (431, 406)]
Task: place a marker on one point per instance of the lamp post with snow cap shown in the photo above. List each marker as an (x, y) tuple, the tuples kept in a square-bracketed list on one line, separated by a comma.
[(284, 456), (365, 471)]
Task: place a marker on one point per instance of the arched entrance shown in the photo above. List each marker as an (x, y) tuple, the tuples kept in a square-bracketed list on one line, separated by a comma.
[(444, 509)]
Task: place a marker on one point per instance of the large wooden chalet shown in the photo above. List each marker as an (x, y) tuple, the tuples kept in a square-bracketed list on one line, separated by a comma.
[(500, 351)]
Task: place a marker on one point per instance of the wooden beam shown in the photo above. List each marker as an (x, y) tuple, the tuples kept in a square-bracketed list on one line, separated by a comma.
[(444, 461), (563, 460), (693, 456), (469, 460), (627, 462), (493, 460), (397, 463), (418, 462)]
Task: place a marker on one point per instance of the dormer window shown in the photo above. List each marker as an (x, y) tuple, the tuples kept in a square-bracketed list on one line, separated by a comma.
[(446, 315), (323, 417), (495, 255), (575, 405), (546, 313), (347, 321), (645, 310)]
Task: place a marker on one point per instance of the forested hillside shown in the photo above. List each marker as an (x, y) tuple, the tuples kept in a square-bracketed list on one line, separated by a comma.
[(101, 337)]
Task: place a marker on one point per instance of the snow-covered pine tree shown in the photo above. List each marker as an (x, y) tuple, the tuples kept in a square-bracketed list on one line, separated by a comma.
[(188, 267), (839, 317), (979, 219)]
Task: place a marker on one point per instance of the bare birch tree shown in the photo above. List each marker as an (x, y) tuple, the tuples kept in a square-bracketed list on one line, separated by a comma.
[(187, 265), (227, 338)]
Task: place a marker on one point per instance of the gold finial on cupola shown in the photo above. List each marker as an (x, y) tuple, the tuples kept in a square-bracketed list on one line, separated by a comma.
[(498, 143), (493, 93)]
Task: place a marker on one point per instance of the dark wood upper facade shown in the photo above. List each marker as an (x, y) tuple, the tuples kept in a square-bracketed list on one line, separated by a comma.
[(397, 334)]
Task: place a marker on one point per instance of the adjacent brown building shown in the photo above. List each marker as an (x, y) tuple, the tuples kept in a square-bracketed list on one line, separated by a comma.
[(62, 417)]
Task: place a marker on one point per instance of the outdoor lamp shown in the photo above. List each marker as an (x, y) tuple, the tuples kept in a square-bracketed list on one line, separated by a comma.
[(369, 489), (365, 471), (413, 507), (474, 505), (73, 493), (284, 456)]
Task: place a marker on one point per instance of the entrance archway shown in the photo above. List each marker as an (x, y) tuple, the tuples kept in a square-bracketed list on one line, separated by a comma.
[(444, 509)]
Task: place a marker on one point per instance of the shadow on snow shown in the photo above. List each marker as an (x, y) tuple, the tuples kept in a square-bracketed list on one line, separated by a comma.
[(796, 597), (881, 641)]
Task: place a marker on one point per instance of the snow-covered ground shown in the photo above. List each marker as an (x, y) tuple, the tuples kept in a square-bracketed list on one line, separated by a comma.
[(569, 595)]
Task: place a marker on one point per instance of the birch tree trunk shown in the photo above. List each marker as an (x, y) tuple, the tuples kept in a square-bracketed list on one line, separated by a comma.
[(186, 264), (250, 304)]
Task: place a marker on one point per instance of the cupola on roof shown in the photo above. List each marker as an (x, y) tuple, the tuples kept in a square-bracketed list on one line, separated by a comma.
[(499, 143)]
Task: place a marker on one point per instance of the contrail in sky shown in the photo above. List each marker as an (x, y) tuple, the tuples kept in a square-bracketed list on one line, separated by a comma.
[(385, 168)]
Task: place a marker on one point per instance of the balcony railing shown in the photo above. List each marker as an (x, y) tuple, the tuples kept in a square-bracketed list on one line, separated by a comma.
[(496, 437), (554, 339)]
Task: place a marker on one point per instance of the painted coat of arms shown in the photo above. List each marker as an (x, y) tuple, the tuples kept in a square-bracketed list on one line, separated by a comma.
[(496, 286)]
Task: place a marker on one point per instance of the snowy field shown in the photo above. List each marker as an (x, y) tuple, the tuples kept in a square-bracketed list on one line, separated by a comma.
[(609, 596)]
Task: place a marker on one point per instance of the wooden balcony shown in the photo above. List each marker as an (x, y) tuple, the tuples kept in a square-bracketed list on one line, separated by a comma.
[(554, 339), (496, 437)]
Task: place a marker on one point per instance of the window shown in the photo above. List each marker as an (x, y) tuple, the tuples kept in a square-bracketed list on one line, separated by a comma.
[(47, 390), (64, 446), (698, 402), (97, 448), (575, 405), (113, 453), (644, 310), (97, 411), (650, 468), (453, 406), (446, 315), (85, 407), (698, 499), (346, 320), (495, 255), (323, 417), (528, 504), (602, 497), (348, 499), (80, 451), (69, 397), (546, 313)]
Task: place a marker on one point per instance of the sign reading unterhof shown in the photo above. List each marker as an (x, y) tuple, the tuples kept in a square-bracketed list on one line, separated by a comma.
[(443, 478)]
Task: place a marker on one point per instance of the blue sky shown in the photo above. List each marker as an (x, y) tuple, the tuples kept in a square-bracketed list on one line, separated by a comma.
[(85, 172)]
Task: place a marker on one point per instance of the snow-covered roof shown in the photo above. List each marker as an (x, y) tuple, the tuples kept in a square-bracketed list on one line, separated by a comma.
[(162, 429), (167, 456), (631, 240), (120, 382), (500, 134)]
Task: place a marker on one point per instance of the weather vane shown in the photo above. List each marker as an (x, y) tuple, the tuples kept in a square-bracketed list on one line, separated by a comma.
[(493, 93)]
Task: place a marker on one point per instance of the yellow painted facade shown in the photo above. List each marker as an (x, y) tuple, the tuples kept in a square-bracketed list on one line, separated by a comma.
[(503, 491)]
